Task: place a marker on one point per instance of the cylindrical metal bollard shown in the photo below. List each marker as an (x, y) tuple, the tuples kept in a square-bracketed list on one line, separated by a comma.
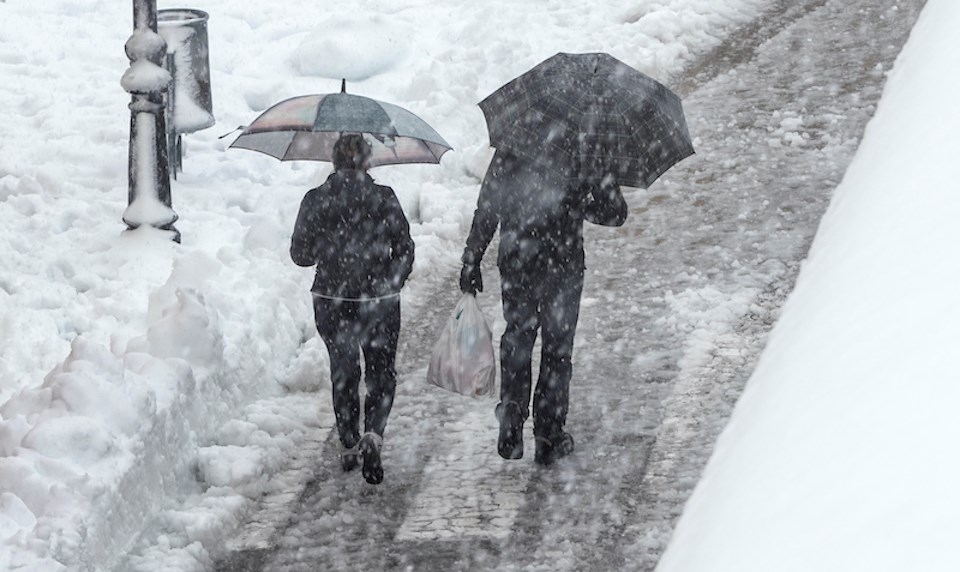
[(185, 31)]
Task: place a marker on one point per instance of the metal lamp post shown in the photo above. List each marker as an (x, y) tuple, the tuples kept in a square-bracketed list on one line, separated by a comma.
[(149, 200)]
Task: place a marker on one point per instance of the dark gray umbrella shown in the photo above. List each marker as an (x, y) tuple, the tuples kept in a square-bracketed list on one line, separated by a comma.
[(306, 127), (593, 110)]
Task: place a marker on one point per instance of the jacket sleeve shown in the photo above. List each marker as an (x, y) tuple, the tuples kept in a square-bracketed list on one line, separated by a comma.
[(401, 243), (486, 217), (303, 247), (605, 204)]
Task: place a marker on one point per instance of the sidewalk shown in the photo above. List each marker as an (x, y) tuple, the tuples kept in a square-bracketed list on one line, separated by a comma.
[(675, 311), (676, 307)]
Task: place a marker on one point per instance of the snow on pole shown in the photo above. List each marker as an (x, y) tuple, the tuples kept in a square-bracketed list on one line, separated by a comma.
[(149, 200)]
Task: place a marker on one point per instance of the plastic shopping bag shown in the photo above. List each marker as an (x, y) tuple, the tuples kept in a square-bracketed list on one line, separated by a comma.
[(462, 359)]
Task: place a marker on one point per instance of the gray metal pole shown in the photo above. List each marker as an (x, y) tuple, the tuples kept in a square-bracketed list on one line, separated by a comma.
[(149, 200)]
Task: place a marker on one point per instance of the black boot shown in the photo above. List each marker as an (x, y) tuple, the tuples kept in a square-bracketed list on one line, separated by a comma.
[(349, 458), (559, 444), (369, 446), (350, 452), (510, 443)]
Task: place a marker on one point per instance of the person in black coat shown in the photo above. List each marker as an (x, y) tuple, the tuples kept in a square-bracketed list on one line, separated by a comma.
[(540, 210), (357, 235)]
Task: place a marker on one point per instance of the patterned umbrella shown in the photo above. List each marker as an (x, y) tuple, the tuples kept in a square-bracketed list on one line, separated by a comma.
[(306, 127), (591, 110)]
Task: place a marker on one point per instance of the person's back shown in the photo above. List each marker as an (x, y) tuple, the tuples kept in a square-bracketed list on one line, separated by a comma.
[(539, 214), (540, 209), (353, 230)]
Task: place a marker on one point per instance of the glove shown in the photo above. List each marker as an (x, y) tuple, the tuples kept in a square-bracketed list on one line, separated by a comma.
[(471, 281)]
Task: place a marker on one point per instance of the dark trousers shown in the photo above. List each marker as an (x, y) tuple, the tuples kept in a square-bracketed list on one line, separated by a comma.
[(551, 302), (347, 329)]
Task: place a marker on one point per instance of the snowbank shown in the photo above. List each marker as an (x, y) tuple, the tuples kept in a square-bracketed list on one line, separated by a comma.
[(839, 455)]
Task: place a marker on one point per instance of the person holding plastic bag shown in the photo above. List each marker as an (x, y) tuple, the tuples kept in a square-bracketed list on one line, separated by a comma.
[(540, 213), (357, 235)]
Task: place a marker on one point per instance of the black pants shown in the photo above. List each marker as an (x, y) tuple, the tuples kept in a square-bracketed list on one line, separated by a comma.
[(349, 328), (551, 302)]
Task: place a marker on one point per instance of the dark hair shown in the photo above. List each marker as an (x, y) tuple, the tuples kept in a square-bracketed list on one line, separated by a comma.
[(351, 151)]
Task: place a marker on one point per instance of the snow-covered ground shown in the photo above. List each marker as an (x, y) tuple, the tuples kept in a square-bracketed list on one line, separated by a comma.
[(132, 365), (840, 455)]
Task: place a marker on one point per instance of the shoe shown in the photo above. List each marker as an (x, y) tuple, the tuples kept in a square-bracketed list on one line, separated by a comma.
[(549, 450), (349, 458), (510, 442), (369, 446)]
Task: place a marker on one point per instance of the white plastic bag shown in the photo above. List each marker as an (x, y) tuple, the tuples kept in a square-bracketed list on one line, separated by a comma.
[(462, 359)]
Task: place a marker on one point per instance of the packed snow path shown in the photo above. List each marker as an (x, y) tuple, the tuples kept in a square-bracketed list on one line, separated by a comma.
[(676, 308)]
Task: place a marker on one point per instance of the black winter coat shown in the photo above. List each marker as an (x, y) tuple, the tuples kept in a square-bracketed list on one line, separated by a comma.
[(540, 214), (356, 233)]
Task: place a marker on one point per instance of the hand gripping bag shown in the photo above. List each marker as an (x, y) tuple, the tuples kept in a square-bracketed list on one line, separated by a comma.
[(462, 359)]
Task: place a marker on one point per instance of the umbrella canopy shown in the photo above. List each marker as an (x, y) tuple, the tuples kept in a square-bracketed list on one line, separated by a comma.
[(306, 127), (590, 109)]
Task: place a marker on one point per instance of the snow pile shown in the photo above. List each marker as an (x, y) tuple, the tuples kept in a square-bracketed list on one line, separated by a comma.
[(839, 455), (352, 48)]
